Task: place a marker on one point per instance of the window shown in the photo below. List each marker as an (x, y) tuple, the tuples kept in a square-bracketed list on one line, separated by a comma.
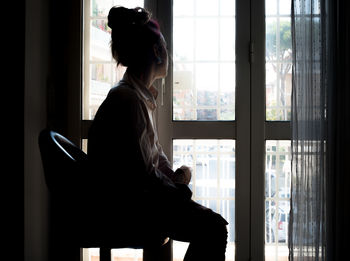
[(224, 109), (203, 60), (277, 195), (278, 60), (213, 182)]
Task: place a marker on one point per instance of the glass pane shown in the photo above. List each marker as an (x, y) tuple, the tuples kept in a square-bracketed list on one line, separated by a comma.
[(204, 60), (227, 94), (117, 254), (277, 198), (129, 3), (270, 7), (285, 7), (84, 145), (227, 176), (227, 7), (100, 8), (183, 40), (127, 254), (100, 71), (278, 60), (91, 254), (213, 167), (100, 37), (206, 7), (227, 40), (99, 85), (183, 7), (207, 34)]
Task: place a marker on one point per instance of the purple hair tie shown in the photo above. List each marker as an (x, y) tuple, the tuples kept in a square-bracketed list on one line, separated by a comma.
[(154, 26)]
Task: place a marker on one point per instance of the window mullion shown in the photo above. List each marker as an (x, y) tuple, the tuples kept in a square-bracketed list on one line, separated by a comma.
[(243, 128), (257, 130)]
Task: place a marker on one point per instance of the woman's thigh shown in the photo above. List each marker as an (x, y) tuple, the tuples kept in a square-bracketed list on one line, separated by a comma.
[(192, 221), (153, 218)]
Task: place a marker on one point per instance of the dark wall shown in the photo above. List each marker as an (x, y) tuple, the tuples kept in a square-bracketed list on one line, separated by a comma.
[(36, 68), (52, 74)]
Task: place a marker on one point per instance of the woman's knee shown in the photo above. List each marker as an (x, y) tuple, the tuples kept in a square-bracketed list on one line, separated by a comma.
[(218, 227)]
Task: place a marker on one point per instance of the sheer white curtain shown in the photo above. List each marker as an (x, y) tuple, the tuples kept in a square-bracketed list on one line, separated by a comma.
[(307, 236)]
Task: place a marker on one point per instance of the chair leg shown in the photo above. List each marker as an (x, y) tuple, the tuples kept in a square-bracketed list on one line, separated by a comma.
[(105, 254)]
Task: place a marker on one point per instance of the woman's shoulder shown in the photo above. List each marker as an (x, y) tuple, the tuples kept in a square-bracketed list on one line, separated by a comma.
[(123, 91)]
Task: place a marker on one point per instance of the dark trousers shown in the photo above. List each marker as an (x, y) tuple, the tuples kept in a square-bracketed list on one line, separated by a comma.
[(191, 222), (150, 220)]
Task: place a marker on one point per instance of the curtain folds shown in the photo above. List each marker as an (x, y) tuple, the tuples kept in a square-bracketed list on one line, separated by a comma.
[(307, 231), (319, 226)]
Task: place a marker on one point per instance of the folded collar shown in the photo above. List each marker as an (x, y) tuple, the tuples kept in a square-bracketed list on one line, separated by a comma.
[(149, 95)]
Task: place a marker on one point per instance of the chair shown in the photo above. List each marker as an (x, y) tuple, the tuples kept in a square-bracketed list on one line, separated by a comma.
[(65, 167)]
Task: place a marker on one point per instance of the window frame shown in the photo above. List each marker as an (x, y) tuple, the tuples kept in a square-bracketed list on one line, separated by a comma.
[(169, 129), (250, 115)]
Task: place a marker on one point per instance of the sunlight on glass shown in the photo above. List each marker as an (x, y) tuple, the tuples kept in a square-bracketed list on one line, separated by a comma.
[(183, 40), (206, 48), (227, 8), (127, 254), (183, 7), (100, 8), (204, 60), (207, 8), (227, 39), (278, 60), (91, 254), (100, 70), (271, 7), (277, 197), (213, 181)]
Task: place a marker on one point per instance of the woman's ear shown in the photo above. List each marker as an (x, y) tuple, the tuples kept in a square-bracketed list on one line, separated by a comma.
[(157, 49)]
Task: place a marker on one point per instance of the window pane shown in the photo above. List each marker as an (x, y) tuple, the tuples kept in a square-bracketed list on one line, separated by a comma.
[(207, 33), (126, 254), (278, 60), (183, 7), (206, 8), (100, 71), (204, 60), (271, 7), (213, 180), (100, 8), (277, 197), (84, 145), (227, 7), (129, 3), (100, 37), (183, 40)]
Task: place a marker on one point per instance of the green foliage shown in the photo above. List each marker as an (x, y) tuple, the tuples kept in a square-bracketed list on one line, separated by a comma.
[(94, 8), (285, 40)]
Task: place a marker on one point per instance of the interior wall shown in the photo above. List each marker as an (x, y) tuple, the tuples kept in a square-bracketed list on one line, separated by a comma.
[(36, 74)]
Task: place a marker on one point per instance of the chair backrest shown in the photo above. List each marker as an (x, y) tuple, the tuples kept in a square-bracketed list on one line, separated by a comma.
[(64, 163)]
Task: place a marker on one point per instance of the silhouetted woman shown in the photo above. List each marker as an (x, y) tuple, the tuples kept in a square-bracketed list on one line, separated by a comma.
[(146, 198)]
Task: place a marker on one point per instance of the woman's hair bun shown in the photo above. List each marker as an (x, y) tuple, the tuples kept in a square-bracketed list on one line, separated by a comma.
[(124, 17), (133, 36)]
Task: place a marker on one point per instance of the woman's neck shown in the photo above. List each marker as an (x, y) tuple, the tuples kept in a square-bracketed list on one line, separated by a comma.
[(146, 78)]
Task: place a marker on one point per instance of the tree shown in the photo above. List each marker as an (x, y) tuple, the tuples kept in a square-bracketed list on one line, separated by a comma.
[(283, 55)]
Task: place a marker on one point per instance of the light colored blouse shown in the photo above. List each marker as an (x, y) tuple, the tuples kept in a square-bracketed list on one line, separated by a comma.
[(152, 152)]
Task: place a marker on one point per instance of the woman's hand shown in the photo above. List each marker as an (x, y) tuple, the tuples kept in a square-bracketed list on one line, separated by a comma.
[(183, 175)]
